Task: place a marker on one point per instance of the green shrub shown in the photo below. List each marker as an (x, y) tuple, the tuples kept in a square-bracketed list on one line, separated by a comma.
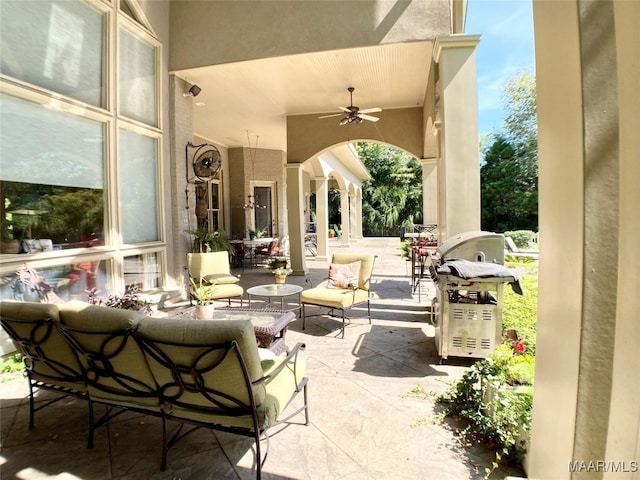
[(522, 238), (496, 420), (520, 312), (405, 247), (11, 365)]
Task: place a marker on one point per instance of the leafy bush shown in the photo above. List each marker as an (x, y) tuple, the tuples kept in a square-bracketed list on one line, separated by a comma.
[(494, 412), (129, 301), (405, 247), (522, 238), (520, 312), (11, 364)]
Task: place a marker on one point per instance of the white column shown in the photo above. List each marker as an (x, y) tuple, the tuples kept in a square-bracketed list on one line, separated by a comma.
[(359, 214), (459, 169), (322, 218), (429, 190), (295, 206), (586, 390), (344, 217), (352, 217)]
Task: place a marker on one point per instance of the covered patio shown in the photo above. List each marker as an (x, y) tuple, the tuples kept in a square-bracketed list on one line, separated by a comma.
[(370, 415)]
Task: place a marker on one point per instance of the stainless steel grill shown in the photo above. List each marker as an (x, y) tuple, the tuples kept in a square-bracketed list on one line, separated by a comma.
[(469, 274)]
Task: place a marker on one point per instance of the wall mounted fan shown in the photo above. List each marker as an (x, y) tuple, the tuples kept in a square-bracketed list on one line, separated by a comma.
[(353, 113), (207, 162)]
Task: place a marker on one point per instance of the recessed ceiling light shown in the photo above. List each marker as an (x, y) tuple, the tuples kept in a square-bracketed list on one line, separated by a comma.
[(199, 104)]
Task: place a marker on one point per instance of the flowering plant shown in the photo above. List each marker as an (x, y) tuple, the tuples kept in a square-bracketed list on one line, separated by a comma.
[(129, 301), (282, 271)]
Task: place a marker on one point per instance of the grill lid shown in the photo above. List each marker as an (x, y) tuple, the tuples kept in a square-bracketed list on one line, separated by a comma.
[(476, 246)]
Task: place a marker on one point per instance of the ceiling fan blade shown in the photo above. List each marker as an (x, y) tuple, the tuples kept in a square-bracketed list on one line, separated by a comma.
[(371, 110), (332, 115), (345, 109), (368, 117)]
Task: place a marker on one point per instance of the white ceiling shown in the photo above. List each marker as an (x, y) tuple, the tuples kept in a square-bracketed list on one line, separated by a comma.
[(256, 96)]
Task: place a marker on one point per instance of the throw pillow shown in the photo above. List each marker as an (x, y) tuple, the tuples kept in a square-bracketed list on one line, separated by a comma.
[(221, 278), (345, 275)]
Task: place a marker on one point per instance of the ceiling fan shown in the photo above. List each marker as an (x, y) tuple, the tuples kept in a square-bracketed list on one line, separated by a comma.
[(354, 114)]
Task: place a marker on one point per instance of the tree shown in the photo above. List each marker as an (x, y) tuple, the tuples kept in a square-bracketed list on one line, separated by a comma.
[(394, 194), (509, 171)]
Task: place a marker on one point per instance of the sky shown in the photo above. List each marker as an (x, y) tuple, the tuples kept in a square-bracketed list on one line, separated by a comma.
[(505, 50)]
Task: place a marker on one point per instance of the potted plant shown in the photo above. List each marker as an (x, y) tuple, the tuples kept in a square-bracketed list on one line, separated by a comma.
[(277, 262), (205, 241), (253, 234), (130, 300), (204, 295), (332, 233), (281, 274)]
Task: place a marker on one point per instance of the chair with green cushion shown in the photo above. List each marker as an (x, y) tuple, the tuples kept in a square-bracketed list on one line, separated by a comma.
[(49, 361), (113, 364), (209, 374), (213, 269), (349, 284)]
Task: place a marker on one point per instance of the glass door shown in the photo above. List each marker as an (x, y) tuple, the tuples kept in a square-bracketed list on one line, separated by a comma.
[(264, 211), (208, 205)]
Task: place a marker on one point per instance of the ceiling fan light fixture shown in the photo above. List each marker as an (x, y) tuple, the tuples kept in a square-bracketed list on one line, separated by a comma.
[(353, 113)]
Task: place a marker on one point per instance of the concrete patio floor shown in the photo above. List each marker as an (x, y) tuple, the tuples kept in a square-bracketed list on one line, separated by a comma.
[(367, 422)]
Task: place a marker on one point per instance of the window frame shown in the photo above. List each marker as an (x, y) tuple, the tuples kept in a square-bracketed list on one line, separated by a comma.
[(113, 251)]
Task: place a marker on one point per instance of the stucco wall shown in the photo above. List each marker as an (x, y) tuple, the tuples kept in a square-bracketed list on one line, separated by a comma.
[(260, 165), (587, 384), (217, 32), (307, 135)]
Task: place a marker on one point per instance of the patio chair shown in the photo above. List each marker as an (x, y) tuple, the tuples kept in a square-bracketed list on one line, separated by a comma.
[(265, 252), (240, 254), (113, 365), (49, 362), (210, 374), (348, 285), (310, 244), (213, 271)]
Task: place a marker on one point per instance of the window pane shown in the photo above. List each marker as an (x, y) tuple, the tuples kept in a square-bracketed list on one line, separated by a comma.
[(63, 282), (142, 271), (263, 215), (137, 79), (138, 187), (51, 177), (54, 44)]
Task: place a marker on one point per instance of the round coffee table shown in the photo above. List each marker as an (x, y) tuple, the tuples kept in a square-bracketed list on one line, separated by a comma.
[(276, 290)]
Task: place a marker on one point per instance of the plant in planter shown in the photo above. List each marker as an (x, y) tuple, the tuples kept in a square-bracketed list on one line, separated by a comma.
[(331, 232), (278, 262), (207, 241), (253, 234), (129, 301), (494, 398), (281, 274), (204, 294)]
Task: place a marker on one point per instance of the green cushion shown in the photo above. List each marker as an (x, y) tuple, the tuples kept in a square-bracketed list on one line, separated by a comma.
[(333, 297), (99, 329), (228, 290), (278, 393), (203, 264), (190, 340), (220, 278), (50, 342), (366, 268)]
